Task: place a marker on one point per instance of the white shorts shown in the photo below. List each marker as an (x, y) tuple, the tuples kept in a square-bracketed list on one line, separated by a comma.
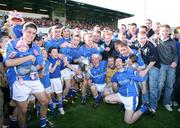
[(56, 85), (48, 90), (67, 73), (109, 90), (100, 87), (130, 103), (22, 92), (31, 97)]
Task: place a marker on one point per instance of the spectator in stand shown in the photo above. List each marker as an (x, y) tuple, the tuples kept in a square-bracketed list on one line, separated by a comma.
[(43, 22)]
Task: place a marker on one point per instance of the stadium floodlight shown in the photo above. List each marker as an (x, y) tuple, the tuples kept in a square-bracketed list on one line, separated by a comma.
[(43, 10), (3, 4), (27, 8)]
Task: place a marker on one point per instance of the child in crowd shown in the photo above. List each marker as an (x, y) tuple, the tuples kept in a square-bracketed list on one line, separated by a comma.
[(45, 78), (56, 65)]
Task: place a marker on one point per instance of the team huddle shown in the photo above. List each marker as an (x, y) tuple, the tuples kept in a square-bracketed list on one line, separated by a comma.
[(46, 71)]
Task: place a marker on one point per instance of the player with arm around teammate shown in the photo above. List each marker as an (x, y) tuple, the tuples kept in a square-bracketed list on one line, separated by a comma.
[(127, 93)]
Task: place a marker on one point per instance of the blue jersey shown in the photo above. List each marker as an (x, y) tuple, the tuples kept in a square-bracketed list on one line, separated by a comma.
[(52, 43), (115, 37), (98, 74), (11, 74), (69, 52), (127, 81), (17, 29), (62, 40), (87, 52), (46, 78), (140, 61), (17, 54), (57, 71)]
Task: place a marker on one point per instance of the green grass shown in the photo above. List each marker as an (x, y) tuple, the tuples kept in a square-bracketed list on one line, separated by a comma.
[(108, 116)]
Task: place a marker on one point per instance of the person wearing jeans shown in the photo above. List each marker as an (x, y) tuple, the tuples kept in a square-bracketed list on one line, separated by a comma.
[(167, 52), (166, 73), (150, 58), (153, 87)]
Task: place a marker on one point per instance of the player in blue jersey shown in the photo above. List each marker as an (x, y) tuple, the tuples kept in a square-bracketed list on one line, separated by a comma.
[(126, 79), (70, 53), (22, 92), (86, 51), (55, 76), (28, 67), (55, 39), (65, 36), (97, 78), (44, 76), (125, 53)]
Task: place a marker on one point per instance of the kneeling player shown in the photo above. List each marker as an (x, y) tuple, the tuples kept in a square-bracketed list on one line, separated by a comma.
[(97, 80), (128, 92)]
